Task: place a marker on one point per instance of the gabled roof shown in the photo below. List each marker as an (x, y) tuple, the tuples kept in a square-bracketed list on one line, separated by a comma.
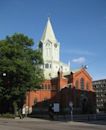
[(84, 71), (48, 33)]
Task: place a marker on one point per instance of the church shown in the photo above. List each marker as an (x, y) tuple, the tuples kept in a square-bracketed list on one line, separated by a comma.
[(50, 49), (62, 85)]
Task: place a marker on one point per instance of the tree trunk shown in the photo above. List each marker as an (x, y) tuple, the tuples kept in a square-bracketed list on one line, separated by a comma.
[(15, 107)]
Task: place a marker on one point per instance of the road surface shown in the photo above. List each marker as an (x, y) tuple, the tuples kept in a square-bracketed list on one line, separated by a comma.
[(40, 124)]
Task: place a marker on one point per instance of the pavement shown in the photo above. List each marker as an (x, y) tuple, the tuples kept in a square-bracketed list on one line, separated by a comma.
[(42, 124), (28, 119)]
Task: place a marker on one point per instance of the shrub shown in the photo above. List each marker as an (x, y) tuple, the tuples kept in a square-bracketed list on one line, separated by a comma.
[(7, 115)]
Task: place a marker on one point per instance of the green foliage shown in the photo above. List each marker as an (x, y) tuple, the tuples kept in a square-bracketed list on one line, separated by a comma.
[(21, 64), (7, 115)]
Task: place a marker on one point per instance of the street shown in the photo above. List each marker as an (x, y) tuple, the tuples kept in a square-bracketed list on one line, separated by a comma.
[(40, 124)]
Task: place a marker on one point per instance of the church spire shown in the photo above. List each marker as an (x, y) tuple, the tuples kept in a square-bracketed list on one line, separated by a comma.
[(48, 33)]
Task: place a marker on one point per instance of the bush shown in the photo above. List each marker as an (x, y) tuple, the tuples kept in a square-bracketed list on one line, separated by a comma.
[(7, 115)]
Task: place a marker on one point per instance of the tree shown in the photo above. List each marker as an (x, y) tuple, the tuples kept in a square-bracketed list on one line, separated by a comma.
[(20, 70)]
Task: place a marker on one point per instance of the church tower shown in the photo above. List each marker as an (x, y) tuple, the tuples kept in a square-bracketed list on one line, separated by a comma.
[(50, 49), (50, 44)]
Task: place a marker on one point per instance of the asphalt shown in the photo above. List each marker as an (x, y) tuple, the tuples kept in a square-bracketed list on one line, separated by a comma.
[(98, 122), (46, 124)]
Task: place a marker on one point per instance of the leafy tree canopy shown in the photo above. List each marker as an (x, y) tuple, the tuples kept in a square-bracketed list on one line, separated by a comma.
[(19, 67)]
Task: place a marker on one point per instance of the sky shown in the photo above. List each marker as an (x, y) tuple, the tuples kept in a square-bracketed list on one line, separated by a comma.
[(79, 26)]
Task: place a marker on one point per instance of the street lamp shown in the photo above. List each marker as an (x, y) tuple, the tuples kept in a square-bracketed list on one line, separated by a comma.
[(4, 74), (71, 109), (4, 77)]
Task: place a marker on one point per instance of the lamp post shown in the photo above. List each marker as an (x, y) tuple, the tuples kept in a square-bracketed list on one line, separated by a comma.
[(4, 78), (71, 109), (70, 100), (4, 74)]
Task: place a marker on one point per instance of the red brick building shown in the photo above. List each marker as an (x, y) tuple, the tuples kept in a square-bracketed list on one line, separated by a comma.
[(75, 88)]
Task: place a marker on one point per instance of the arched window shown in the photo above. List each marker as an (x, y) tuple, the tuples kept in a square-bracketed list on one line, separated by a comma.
[(82, 83), (87, 85), (48, 49), (49, 86), (46, 86), (76, 84), (35, 100), (46, 65), (50, 66)]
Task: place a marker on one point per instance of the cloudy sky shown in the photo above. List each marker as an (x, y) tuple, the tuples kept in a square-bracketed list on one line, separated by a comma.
[(79, 25)]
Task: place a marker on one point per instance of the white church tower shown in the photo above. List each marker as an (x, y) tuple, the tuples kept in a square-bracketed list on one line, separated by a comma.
[(51, 53)]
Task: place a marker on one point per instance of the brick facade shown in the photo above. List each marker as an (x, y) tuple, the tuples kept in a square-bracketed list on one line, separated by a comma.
[(75, 87)]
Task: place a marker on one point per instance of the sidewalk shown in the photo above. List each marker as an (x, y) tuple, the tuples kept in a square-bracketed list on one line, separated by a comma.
[(74, 123)]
